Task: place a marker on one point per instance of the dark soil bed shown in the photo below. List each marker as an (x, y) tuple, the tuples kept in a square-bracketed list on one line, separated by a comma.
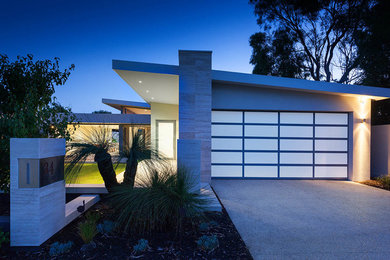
[(164, 245)]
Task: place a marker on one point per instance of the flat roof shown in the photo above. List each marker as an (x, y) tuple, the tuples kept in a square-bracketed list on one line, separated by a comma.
[(258, 80), (114, 119), (115, 103)]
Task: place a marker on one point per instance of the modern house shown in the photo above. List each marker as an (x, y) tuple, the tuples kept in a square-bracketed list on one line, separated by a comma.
[(134, 116), (234, 125)]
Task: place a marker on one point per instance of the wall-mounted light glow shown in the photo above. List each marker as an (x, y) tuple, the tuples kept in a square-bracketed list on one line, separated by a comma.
[(152, 98), (363, 100), (147, 91), (363, 120), (140, 81)]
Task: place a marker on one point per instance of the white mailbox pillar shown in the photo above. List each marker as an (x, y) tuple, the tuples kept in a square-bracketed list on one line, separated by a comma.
[(37, 189)]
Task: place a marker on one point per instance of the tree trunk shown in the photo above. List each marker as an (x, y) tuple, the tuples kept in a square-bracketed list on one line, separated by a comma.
[(130, 172), (106, 170)]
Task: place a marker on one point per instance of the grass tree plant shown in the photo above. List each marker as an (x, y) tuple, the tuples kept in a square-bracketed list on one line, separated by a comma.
[(139, 150), (163, 198), (95, 142)]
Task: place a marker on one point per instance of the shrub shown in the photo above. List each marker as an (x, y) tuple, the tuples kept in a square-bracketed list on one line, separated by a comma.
[(4, 237), (164, 199), (208, 243), (384, 181), (57, 248), (204, 226), (141, 246), (213, 223), (87, 229), (106, 227)]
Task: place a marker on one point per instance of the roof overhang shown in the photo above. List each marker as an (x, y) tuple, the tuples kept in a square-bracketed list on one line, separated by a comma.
[(160, 82), (153, 82), (130, 106), (299, 85)]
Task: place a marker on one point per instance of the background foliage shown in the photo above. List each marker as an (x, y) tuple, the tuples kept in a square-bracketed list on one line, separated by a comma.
[(344, 41), (27, 106)]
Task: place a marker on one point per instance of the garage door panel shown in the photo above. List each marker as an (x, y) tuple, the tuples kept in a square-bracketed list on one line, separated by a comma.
[(331, 158), (226, 171), (261, 144), (296, 145), (331, 131), (226, 117), (331, 118), (261, 117), (331, 172), (226, 157), (261, 131), (253, 157), (226, 130), (296, 118), (285, 144), (296, 131), (296, 158), (226, 144), (331, 145), (296, 171), (261, 171)]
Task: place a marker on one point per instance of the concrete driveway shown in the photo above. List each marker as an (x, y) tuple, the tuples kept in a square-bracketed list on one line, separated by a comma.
[(306, 219)]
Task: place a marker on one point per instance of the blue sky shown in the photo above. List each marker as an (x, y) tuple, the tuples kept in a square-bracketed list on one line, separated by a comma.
[(90, 34)]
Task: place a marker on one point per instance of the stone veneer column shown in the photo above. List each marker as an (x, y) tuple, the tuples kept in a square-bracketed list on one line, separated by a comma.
[(195, 110)]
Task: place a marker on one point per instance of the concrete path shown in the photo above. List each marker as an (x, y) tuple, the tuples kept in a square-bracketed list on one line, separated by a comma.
[(306, 219)]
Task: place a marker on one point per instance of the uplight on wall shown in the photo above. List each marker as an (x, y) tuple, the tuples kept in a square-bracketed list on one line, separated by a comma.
[(363, 100)]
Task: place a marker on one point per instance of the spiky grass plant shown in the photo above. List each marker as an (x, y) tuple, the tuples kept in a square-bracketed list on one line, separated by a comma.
[(164, 198), (87, 231), (95, 141), (88, 228), (384, 181)]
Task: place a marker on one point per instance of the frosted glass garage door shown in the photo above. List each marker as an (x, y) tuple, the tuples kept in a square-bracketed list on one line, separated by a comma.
[(262, 144)]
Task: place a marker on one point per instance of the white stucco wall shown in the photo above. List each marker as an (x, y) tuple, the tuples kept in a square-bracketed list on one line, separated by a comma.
[(160, 111), (380, 150), (240, 97)]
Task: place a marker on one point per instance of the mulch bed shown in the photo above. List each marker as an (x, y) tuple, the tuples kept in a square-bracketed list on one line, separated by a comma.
[(164, 245)]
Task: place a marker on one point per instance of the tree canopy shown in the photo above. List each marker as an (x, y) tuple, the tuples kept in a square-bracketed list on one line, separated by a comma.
[(329, 40), (27, 105)]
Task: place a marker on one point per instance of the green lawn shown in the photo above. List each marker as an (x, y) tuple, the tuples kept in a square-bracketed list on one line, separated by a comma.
[(89, 174)]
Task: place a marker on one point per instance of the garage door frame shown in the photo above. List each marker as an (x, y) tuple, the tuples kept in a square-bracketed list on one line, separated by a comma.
[(348, 139)]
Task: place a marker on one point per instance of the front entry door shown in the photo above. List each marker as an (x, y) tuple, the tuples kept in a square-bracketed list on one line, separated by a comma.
[(166, 138)]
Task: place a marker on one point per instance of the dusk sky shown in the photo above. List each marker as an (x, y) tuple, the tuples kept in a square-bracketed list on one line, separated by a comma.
[(90, 34)]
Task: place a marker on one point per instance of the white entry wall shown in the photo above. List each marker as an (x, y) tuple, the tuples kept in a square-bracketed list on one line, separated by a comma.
[(275, 144)]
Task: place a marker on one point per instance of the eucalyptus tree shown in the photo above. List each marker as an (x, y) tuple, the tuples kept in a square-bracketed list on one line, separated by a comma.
[(309, 39)]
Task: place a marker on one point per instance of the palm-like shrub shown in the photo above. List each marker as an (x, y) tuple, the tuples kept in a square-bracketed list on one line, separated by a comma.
[(92, 141), (138, 151), (163, 199)]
